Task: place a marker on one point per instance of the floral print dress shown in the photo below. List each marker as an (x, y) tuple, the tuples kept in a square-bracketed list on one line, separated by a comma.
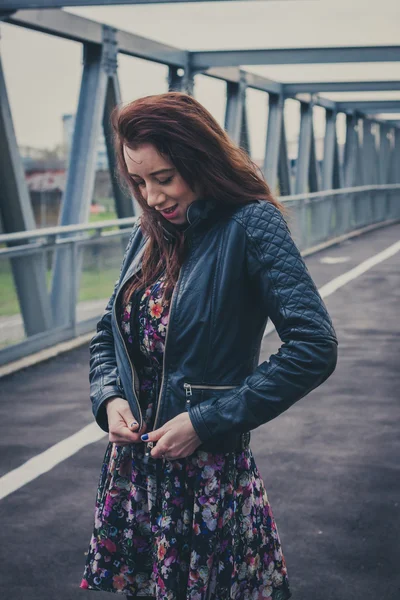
[(198, 528)]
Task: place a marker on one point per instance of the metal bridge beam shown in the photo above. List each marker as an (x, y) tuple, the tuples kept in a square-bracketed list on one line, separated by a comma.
[(125, 206), (276, 164), (244, 134), (352, 149), (17, 215), (371, 106), (100, 63), (295, 56), (252, 80), (331, 172), (370, 156), (235, 114), (273, 142), (181, 79), (284, 171), (395, 159), (174, 79), (79, 29), (307, 175), (384, 154), (340, 86), (17, 4)]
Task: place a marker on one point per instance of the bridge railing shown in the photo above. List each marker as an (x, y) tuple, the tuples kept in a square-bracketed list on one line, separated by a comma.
[(93, 254), (326, 215)]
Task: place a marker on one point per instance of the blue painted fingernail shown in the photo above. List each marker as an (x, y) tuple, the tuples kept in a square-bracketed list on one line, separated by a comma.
[(145, 437)]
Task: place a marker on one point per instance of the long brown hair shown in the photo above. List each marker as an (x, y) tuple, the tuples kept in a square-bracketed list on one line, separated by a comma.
[(184, 131)]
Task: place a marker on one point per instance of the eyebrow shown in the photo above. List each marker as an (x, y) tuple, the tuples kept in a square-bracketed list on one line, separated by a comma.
[(155, 172)]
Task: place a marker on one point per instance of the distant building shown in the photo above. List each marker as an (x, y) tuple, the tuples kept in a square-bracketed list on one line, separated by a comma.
[(37, 160), (68, 131), (46, 172), (46, 189)]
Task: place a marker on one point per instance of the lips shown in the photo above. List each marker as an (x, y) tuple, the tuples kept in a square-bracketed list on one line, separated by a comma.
[(170, 210)]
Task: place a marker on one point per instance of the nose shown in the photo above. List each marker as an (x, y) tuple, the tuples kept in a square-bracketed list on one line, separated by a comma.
[(154, 197)]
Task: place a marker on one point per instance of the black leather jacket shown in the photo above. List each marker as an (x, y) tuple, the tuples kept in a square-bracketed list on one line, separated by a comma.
[(242, 268)]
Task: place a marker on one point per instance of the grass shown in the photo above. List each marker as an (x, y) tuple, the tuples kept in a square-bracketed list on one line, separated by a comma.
[(94, 285), (105, 216), (8, 298)]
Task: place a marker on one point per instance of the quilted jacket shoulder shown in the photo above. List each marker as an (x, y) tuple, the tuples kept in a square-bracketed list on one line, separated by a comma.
[(276, 253)]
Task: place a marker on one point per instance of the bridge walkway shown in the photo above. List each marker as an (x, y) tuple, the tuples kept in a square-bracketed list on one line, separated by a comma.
[(330, 463)]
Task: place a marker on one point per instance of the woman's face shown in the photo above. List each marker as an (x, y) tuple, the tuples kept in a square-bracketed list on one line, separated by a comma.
[(159, 182)]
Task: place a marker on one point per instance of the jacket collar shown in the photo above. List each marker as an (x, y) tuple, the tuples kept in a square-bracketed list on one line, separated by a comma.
[(197, 212)]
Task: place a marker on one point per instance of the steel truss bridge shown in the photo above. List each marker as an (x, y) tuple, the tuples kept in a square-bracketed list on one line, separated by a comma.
[(328, 201)]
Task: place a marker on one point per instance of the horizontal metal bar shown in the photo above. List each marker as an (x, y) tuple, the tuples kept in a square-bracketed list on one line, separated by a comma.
[(70, 229), (67, 229), (141, 47), (252, 80), (336, 106), (368, 106), (347, 107), (315, 99), (51, 242), (294, 56), (341, 191), (79, 29), (59, 23), (235, 74), (22, 250), (23, 4), (42, 341), (35, 343), (340, 86)]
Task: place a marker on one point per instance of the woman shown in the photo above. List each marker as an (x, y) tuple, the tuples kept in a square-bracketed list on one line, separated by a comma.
[(181, 509)]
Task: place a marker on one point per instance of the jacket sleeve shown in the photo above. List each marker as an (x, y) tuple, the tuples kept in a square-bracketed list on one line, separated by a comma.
[(103, 372), (308, 354)]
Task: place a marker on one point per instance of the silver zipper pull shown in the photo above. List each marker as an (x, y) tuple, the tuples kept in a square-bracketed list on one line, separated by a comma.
[(189, 392), (149, 448)]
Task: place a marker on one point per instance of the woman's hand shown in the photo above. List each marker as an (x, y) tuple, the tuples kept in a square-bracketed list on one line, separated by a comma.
[(175, 439), (122, 425)]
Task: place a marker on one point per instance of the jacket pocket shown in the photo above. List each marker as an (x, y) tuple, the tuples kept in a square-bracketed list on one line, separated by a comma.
[(196, 393)]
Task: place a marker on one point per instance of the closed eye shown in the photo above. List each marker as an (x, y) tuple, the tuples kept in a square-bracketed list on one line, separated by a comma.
[(165, 182)]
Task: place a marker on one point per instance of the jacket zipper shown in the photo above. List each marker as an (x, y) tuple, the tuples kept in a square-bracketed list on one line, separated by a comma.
[(191, 386), (165, 348), (133, 370)]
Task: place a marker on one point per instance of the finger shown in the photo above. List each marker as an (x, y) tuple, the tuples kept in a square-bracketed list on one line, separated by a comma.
[(120, 439), (134, 427), (160, 450), (123, 433), (154, 436), (128, 417)]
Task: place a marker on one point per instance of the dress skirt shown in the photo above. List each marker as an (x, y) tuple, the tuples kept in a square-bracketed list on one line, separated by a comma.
[(198, 528)]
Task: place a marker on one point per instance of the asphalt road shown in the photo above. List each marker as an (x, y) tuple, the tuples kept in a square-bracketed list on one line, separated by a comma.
[(330, 463)]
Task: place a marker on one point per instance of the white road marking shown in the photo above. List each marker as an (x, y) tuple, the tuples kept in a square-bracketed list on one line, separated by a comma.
[(45, 461), (54, 455), (333, 260), (328, 289)]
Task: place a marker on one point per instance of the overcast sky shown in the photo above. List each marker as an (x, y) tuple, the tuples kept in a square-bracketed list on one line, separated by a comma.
[(43, 72)]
